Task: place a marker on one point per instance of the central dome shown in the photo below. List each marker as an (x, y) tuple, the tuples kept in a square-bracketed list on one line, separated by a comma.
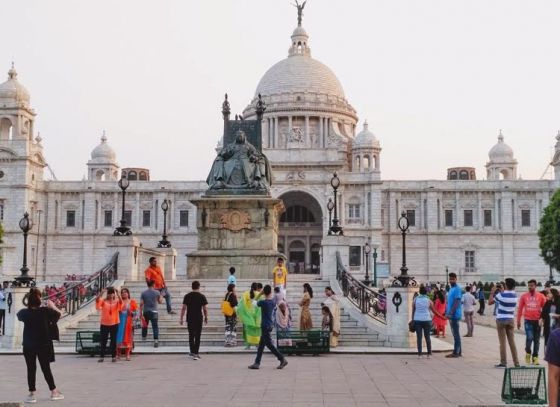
[(299, 73)]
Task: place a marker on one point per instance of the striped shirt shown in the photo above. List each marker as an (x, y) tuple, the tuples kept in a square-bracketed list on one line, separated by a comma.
[(506, 302)]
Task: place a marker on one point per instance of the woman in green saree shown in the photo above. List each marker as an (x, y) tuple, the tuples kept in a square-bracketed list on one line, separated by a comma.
[(250, 316)]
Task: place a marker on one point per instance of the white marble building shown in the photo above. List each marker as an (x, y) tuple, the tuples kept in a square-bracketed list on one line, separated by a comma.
[(482, 230)]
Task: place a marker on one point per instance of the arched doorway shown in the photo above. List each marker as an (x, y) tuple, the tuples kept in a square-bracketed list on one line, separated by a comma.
[(301, 231)]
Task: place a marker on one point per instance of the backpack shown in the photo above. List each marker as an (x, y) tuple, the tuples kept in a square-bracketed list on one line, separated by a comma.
[(227, 309)]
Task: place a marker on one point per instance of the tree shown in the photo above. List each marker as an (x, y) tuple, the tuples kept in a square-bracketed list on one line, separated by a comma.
[(549, 232)]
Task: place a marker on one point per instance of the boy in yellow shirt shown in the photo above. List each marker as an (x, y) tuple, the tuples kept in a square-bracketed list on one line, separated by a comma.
[(280, 276)]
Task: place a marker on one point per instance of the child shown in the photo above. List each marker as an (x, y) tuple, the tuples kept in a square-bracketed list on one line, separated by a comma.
[(231, 279), (327, 324)]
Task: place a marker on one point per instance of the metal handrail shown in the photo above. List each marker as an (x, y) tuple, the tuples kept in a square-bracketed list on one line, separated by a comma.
[(80, 293), (368, 300)]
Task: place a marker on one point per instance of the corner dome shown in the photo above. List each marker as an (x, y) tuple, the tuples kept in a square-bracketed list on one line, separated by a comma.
[(299, 73), (501, 152), (103, 153), (12, 91), (365, 138)]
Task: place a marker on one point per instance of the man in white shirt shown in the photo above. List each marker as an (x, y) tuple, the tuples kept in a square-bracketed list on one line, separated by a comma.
[(469, 302), (3, 306)]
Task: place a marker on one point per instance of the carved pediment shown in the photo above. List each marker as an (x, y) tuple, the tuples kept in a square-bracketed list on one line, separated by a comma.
[(235, 220)]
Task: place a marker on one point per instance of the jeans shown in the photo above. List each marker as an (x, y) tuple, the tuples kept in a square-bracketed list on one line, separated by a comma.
[(151, 316), (106, 332), (31, 355), (165, 294), (481, 307), (2, 321), (454, 324), (505, 331), (266, 340), (426, 327), (469, 321), (195, 331), (533, 334)]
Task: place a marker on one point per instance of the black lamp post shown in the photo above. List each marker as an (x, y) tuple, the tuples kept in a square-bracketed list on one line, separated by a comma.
[(164, 242), (335, 229), (330, 207), (24, 279), (123, 229), (367, 251), (446, 278), (404, 280), (549, 255), (374, 266)]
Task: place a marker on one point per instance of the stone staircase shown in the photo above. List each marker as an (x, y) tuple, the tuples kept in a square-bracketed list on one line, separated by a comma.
[(173, 334)]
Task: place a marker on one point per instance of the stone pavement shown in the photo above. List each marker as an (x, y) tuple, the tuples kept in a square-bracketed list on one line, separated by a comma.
[(217, 379)]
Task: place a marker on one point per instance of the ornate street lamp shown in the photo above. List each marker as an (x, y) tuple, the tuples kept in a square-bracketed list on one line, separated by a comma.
[(549, 255), (335, 228), (375, 266), (330, 207), (404, 280), (367, 251), (25, 224), (164, 242), (123, 229), (446, 278)]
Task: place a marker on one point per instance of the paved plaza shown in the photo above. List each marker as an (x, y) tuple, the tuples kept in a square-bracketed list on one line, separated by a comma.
[(224, 380)]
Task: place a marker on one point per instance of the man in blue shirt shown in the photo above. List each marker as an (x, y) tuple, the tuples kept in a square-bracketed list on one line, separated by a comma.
[(267, 306), (453, 312)]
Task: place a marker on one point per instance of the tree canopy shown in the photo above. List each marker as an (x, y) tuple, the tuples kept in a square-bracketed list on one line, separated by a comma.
[(549, 232)]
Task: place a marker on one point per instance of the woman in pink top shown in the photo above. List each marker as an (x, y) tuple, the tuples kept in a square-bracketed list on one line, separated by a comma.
[(439, 305), (110, 307)]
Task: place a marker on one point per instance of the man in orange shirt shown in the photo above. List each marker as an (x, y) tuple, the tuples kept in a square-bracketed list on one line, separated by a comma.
[(154, 273), (530, 307)]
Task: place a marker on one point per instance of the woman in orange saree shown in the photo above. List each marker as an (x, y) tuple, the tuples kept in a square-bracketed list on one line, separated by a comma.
[(125, 332)]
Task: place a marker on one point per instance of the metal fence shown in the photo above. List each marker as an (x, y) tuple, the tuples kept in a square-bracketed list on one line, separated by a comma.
[(369, 300), (78, 294)]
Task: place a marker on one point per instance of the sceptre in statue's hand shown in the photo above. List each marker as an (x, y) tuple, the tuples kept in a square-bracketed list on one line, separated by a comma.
[(300, 8)]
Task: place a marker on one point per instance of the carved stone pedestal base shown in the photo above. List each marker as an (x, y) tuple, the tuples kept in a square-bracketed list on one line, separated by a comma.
[(239, 231)]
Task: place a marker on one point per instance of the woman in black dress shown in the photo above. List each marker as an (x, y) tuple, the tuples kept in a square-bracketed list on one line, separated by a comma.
[(39, 329)]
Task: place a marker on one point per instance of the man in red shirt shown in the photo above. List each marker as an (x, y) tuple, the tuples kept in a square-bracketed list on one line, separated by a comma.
[(154, 273), (530, 307)]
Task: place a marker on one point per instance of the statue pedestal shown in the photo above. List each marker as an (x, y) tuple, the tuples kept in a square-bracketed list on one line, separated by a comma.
[(235, 230), (398, 335), (13, 327), (128, 248)]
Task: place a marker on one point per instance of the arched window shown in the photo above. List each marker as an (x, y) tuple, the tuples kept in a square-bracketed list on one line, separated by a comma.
[(297, 214), (453, 175), (472, 175), (376, 162), (6, 129), (357, 163), (143, 176), (100, 175), (296, 256), (463, 175), (366, 163), (132, 176)]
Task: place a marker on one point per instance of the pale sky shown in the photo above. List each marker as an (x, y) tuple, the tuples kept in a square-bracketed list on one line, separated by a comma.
[(435, 79)]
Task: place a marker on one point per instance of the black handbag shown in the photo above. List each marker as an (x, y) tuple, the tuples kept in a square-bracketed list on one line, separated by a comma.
[(411, 326)]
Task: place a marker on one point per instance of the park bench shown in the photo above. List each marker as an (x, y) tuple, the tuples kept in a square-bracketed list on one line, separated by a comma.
[(295, 342), (88, 342)]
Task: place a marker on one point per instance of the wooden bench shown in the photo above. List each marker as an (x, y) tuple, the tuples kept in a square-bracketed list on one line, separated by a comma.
[(88, 343), (295, 342)]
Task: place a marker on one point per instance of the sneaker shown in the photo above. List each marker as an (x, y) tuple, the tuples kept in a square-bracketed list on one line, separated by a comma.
[(197, 356), (453, 355), (31, 399), (535, 360), (193, 356), (156, 344), (57, 396), (517, 365), (190, 355), (254, 366), (500, 366), (528, 358), (429, 355), (171, 312), (114, 360), (282, 364), (100, 360), (419, 356)]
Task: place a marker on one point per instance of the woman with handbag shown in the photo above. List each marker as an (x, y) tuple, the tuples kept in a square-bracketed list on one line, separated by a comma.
[(228, 309), (421, 307), (38, 331), (127, 319)]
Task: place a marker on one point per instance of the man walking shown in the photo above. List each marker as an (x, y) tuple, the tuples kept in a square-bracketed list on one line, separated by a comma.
[(531, 304), (506, 301), (196, 306), (149, 300), (3, 306), (154, 273), (469, 302), (453, 312), (280, 276), (267, 306)]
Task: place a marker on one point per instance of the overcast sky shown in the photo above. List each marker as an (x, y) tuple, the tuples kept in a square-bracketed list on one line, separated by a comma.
[(435, 79)]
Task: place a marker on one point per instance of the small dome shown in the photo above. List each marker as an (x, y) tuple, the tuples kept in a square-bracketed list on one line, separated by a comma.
[(299, 32), (365, 139), (103, 153), (12, 91), (501, 151)]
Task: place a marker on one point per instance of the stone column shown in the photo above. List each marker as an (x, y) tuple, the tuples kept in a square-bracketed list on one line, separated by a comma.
[(398, 335), (331, 245), (321, 134), (128, 247), (307, 140), (13, 327), (276, 138)]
